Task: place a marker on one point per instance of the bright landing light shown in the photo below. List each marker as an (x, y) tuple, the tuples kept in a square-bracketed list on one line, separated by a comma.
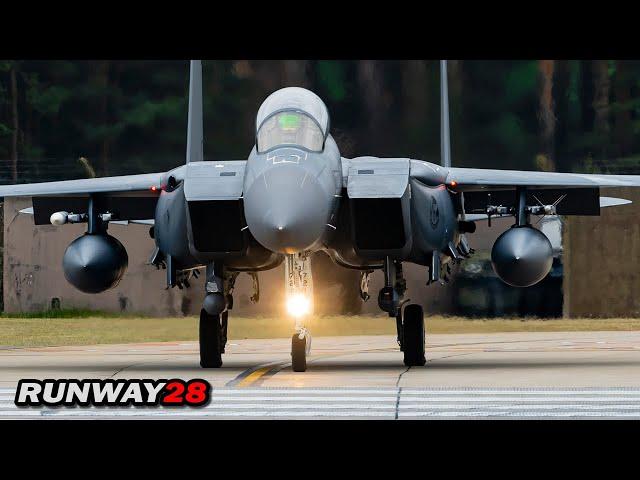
[(298, 305)]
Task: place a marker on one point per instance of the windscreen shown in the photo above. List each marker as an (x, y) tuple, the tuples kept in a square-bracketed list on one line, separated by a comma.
[(290, 128)]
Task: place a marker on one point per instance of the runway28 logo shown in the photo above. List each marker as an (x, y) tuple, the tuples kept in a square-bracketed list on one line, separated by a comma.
[(112, 393)]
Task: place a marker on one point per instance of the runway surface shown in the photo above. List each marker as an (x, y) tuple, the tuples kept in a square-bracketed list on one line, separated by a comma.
[(505, 375)]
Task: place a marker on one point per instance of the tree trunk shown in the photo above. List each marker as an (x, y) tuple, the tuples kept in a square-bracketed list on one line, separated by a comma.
[(104, 105), (546, 117), (371, 80), (266, 74), (415, 88), (561, 87), (586, 95), (415, 105), (295, 73), (455, 75), (601, 91), (623, 132), (101, 82), (15, 123)]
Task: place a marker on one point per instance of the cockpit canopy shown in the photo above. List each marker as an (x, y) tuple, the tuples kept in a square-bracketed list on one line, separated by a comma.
[(292, 116), (290, 128)]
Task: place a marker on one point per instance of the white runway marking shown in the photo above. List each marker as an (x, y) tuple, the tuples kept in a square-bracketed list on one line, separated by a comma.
[(373, 403)]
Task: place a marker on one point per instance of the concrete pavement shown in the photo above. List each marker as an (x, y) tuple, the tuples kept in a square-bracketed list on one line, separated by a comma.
[(573, 374)]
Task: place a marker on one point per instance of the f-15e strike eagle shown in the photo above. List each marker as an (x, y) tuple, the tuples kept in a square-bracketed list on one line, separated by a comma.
[(296, 195)]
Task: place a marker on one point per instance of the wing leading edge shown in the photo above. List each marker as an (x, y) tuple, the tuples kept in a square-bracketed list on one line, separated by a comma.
[(470, 179), (126, 183), (131, 197)]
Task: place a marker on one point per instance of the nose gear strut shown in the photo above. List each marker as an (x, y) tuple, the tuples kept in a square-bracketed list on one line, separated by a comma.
[(299, 295)]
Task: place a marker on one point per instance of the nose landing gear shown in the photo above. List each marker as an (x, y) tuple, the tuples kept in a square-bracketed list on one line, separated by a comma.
[(299, 294), (300, 347)]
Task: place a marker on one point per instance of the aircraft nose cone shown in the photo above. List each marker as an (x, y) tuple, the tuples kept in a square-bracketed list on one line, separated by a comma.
[(286, 209), (290, 227)]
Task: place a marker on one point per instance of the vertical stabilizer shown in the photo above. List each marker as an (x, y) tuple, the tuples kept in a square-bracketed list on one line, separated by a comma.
[(194, 124), (445, 140)]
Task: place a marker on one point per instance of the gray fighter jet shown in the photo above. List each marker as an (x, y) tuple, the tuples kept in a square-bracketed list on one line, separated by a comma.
[(295, 195)]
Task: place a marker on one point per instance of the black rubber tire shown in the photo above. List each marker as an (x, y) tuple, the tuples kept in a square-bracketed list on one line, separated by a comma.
[(399, 329), (223, 331), (413, 336), (298, 353), (210, 340)]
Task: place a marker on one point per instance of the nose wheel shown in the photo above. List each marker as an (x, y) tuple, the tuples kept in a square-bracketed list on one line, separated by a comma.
[(299, 294), (300, 347), (413, 336)]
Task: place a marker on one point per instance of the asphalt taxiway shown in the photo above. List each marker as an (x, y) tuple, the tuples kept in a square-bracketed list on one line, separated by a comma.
[(530, 375)]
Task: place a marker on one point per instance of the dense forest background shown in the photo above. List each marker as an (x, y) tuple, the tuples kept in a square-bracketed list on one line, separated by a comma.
[(70, 119)]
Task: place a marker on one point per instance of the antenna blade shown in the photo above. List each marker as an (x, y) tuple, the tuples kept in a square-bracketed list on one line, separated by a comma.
[(445, 141), (194, 123)]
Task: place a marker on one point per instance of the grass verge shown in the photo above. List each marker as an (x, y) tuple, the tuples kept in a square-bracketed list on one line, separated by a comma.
[(89, 328)]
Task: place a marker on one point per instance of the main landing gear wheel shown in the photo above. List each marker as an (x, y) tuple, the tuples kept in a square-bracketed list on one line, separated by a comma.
[(223, 330), (211, 346), (299, 352), (399, 328), (413, 336)]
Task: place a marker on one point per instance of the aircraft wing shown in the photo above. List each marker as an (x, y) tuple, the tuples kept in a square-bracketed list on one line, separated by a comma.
[(474, 179), (575, 193), (604, 203), (85, 186), (132, 197)]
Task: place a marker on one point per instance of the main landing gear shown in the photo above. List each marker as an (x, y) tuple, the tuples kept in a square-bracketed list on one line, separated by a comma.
[(214, 316), (412, 335), (409, 320), (212, 339)]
